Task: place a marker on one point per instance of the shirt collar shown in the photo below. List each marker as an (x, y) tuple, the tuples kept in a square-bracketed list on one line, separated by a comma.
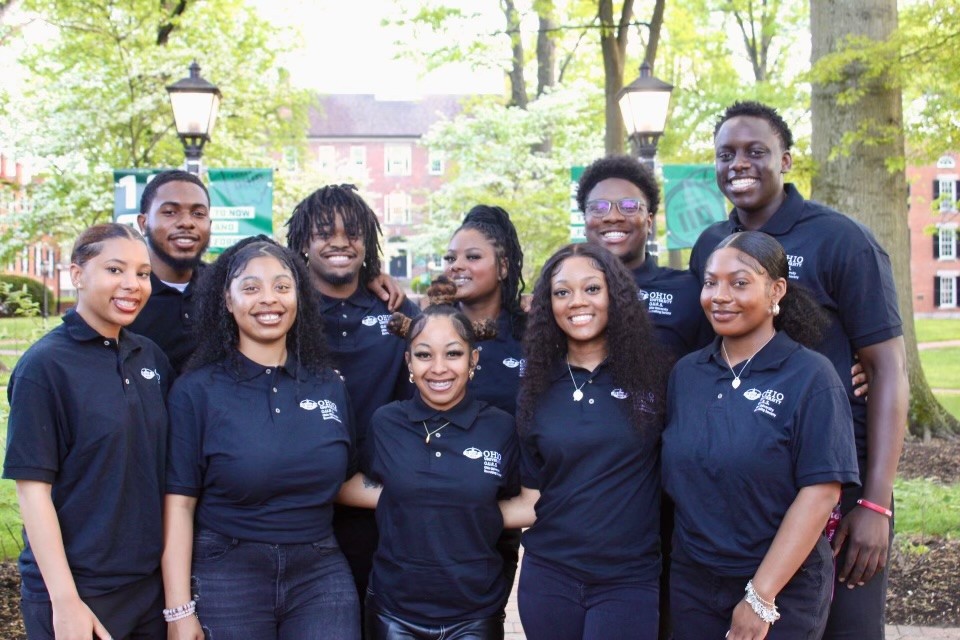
[(248, 369), (783, 219), (771, 356), (79, 330), (362, 298), (462, 415), (158, 285), (647, 270), (562, 370)]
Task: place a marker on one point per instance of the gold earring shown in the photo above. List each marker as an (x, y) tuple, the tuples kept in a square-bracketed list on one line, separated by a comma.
[(472, 371)]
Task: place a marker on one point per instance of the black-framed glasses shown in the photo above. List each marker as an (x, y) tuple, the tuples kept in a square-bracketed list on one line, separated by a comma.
[(626, 206)]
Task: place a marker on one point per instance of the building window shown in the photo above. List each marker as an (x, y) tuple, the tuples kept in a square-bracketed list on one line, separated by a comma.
[(435, 163), (397, 208), (358, 158), (946, 162), (947, 243), (397, 159), (291, 158), (326, 157), (947, 193), (948, 291)]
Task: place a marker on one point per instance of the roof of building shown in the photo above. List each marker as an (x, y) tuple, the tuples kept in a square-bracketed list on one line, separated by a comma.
[(367, 116)]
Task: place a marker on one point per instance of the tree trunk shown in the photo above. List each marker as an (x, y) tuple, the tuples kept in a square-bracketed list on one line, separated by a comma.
[(656, 24), (613, 45), (518, 85), (546, 49), (854, 178)]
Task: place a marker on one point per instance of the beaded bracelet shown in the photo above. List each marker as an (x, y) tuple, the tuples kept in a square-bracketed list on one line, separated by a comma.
[(875, 507), (179, 613), (767, 611)]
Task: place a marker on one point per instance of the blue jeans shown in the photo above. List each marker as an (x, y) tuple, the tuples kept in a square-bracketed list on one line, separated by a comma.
[(702, 602), (556, 606), (287, 591)]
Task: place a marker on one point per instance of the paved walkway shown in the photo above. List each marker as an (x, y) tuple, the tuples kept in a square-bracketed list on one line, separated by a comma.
[(923, 346)]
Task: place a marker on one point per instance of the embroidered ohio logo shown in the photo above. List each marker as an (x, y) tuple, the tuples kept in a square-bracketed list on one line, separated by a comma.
[(372, 321), (309, 405), (511, 363), (491, 463), (369, 321), (150, 374), (770, 400), (642, 295), (619, 394), (473, 453), (752, 394)]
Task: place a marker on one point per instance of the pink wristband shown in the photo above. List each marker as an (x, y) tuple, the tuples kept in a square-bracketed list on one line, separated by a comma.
[(875, 507)]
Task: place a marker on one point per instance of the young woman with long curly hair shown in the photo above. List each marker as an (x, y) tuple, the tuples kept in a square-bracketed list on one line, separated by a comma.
[(590, 413)]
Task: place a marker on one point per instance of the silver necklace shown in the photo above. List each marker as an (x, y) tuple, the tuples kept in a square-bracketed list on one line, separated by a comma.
[(736, 376), (430, 433), (577, 393)]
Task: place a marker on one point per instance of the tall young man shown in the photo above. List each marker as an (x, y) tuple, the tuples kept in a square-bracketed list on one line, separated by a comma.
[(338, 235), (841, 263)]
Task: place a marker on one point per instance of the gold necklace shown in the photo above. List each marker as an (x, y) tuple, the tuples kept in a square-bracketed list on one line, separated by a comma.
[(430, 433), (736, 376)]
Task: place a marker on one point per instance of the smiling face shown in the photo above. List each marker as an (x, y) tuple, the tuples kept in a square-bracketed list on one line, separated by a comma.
[(113, 286), (750, 162), (623, 236), (440, 361), (177, 225), (472, 264), (335, 256), (580, 300), (263, 300), (738, 297)]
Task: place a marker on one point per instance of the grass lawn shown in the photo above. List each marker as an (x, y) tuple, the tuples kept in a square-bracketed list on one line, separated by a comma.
[(16, 334), (937, 329), (951, 403), (10, 539), (942, 367), (927, 508)]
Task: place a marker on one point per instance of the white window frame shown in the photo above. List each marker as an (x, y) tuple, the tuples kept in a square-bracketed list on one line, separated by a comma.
[(948, 291), (946, 162), (291, 158), (948, 193), (326, 157), (435, 163), (397, 159), (358, 157), (396, 208), (948, 241)]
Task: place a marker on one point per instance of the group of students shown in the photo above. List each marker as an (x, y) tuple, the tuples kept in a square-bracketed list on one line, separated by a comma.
[(374, 475)]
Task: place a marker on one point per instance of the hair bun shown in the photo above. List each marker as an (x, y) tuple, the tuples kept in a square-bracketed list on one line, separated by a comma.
[(399, 324), (485, 329), (442, 291)]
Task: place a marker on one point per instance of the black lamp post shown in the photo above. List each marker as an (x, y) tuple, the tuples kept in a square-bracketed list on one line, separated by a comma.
[(644, 104), (195, 104)]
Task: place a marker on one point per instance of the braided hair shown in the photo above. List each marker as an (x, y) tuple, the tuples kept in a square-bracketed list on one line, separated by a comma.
[(495, 225), (441, 294), (319, 210)]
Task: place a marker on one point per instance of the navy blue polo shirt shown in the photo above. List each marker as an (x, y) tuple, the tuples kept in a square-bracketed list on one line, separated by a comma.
[(168, 319), (598, 516), (87, 416), (264, 450), (369, 358), (672, 300), (735, 459), (438, 515), (840, 262), (497, 377)]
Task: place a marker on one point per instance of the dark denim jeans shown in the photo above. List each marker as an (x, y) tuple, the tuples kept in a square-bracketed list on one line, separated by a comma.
[(555, 606), (702, 602), (287, 591)]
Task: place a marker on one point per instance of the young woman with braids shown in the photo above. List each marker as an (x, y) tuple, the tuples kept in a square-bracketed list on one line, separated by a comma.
[(590, 413), (758, 443), (444, 458), (261, 439)]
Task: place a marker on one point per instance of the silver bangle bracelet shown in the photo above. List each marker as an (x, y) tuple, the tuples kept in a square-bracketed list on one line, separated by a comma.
[(766, 611), (179, 613)]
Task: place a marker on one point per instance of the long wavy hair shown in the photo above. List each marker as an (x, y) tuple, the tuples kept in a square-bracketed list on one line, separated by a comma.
[(216, 330), (495, 225), (801, 316), (640, 366)]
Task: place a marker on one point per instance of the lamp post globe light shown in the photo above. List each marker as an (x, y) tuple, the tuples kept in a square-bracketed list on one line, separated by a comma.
[(644, 104), (195, 103)]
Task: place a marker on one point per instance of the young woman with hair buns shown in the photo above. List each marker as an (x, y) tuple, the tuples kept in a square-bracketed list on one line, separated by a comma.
[(444, 459)]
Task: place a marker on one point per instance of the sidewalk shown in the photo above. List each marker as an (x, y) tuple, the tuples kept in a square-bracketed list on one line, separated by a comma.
[(514, 631)]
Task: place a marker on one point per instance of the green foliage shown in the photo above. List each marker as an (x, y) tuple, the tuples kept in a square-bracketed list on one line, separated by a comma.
[(96, 100), (940, 367), (21, 296), (927, 508), (937, 329)]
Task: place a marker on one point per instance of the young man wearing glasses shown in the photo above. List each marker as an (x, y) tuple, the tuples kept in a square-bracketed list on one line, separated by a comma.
[(618, 197)]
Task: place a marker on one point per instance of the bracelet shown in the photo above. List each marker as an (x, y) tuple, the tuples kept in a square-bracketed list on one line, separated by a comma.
[(766, 611), (179, 613), (875, 507)]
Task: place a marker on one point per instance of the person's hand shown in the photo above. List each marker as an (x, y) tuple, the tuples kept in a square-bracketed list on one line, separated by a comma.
[(73, 620), (867, 536), (745, 624), (185, 629), (387, 289), (858, 378)]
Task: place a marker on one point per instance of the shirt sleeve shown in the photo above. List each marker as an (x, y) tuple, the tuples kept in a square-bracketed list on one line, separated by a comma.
[(824, 449), (35, 441), (185, 466), (531, 464), (511, 467), (370, 462), (866, 297), (350, 423)]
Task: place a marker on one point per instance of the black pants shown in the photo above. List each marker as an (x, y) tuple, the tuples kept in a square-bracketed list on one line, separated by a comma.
[(134, 612), (508, 546), (703, 602), (380, 625)]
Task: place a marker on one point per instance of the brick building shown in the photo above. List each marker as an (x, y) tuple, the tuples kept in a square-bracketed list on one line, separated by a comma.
[(933, 220), (377, 144)]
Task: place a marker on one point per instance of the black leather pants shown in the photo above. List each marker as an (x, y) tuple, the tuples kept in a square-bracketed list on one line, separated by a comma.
[(380, 625)]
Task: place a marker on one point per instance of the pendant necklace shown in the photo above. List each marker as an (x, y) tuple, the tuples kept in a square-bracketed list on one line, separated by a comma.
[(430, 433), (736, 376), (577, 393)]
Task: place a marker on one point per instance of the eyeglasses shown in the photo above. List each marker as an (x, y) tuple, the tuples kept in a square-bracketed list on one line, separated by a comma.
[(627, 206)]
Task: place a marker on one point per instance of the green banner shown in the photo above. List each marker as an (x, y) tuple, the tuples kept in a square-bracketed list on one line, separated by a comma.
[(577, 228), (241, 202), (692, 202)]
